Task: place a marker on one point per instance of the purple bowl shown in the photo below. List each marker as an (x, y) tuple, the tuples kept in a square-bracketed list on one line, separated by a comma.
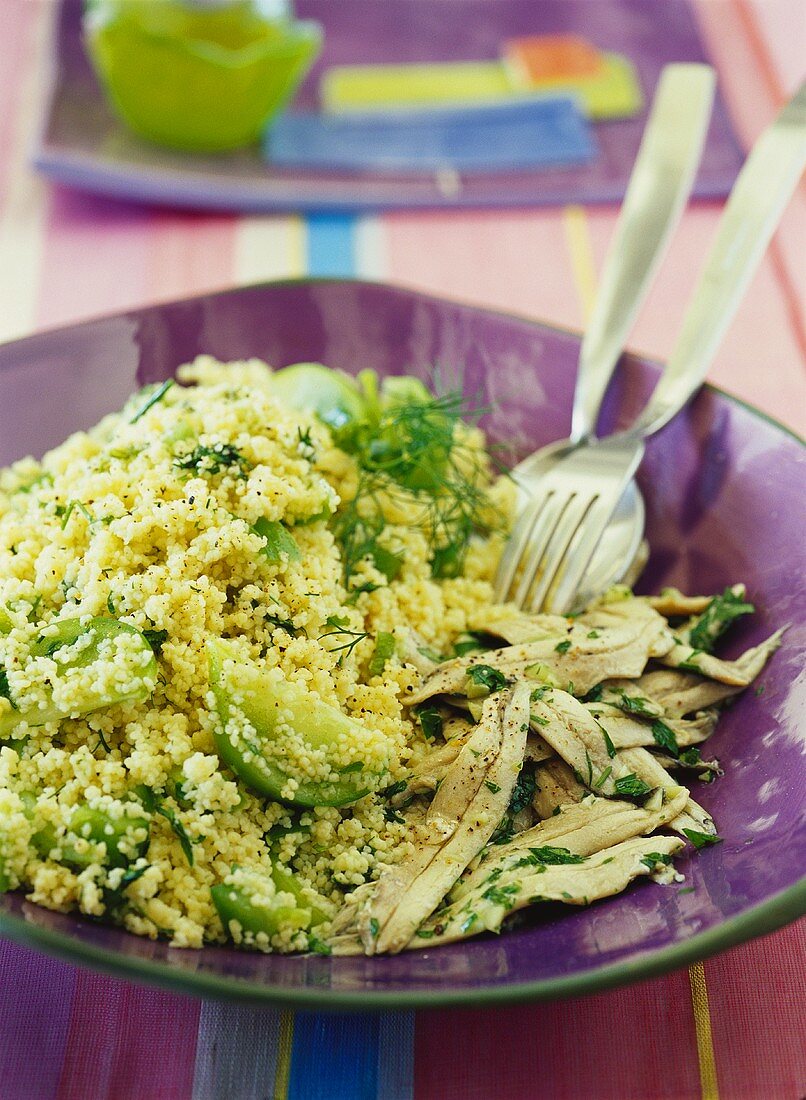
[(724, 498)]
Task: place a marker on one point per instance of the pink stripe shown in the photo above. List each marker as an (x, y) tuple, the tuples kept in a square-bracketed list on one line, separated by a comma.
[(126, 1039), (101, 256), (512, 260), (625, 1045), (35, 997), (751, 86), (20, 20), (758, 1007)]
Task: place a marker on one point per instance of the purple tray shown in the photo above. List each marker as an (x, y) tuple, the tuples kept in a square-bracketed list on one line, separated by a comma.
[(723, 488), (81, 144)]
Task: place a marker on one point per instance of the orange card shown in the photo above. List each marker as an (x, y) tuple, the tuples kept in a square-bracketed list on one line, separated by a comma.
[(544, 58)]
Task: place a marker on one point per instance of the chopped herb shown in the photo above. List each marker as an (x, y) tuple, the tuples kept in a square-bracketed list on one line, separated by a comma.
[(431, 722), (68, 511), (701, 840), (652, 859), (593, 633), (605, 774), (635, 704), (486, 677), (504, 831), (384, 648), (156, 639), (102, 741), (524, 790), (468, 922), (631, 786), (566, 894), (374, 927), (213, 460), (563, 647), (759, 690), (686, 890), (395, 788), (589, 762), (424, 933), (611, 748), (595, 694), (5, 690), (502, 895), (665, 737), (356, 766), (317, 946), (284, 624), (491, 786), (553, 856), (154, 397), (716, 618), (359, 590), (537, 720), (155, 805), (692, 757)]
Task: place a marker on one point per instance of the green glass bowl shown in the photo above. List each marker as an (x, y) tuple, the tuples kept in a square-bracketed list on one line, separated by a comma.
[(200, 80)]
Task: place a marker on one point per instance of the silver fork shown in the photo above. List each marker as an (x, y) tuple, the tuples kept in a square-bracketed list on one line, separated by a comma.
[(557, 533)]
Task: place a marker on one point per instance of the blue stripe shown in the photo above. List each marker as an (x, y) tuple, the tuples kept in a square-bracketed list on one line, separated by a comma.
[(396, 1056), (339, 1057), (331, 245), (334, 1057)]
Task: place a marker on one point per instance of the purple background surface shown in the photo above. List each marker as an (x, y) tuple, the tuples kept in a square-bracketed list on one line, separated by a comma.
[(724, 492), (83, 145)]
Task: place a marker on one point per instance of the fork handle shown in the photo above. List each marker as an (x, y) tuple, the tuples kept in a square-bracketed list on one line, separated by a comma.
[(659, 185), (757, 201)]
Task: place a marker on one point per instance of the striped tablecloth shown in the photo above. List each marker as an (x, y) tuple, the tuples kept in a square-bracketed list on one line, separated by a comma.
[(731, 1027)]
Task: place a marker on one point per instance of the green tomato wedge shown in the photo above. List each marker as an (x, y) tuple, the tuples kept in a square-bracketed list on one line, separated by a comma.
[(6, 622), (287, 883), (260, 700), (142, 679), (311, 387), (113, 841), (249, 906)]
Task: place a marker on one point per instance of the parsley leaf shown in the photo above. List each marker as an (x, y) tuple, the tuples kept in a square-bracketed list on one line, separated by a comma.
[(553, 856), (156, 639), (431, 722), (652, 859), (631, 786), (702, 840), (716, 618), (665, 737), (486, 677), (563, 647)]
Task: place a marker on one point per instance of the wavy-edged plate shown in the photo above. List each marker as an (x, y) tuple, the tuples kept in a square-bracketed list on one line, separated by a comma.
[(723, 487)]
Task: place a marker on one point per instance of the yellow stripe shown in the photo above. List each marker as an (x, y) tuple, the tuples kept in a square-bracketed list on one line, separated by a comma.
[(285, 1042), (577, 234), (709, 1084), (299, 246)]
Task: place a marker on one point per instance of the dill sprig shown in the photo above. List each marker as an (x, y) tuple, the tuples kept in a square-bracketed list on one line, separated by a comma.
[(341, 629), (409, 455)]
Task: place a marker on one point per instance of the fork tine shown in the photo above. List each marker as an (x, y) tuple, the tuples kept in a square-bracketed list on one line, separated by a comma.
[(554, 552), (560, 599), (542, 535), (517, 545)]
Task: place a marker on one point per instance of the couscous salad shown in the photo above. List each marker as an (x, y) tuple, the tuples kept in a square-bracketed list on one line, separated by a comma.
[(253, 686)]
